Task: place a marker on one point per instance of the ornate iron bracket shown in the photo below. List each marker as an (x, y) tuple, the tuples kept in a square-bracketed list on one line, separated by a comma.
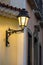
[(9, 32)]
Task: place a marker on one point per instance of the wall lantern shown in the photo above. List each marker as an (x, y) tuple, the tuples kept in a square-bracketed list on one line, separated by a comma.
[(23, 18)]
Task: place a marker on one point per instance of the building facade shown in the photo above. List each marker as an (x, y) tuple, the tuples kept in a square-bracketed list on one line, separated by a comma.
[(26, 48)]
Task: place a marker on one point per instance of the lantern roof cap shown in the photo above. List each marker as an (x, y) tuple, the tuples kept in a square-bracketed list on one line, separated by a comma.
[(23, 13)]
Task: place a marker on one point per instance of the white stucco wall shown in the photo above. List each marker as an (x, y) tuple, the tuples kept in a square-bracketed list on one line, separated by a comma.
[(12, 55)]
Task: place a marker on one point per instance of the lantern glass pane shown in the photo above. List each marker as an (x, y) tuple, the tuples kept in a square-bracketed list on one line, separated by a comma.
[(23, 21), (19, 19), (26, 22)]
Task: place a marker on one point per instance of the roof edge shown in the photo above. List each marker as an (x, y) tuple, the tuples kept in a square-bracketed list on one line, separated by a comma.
[(10, 7)]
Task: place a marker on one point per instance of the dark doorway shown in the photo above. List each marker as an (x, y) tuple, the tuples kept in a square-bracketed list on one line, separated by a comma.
[(40, 55), (36, 46), (29, 49), (35, 51)]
